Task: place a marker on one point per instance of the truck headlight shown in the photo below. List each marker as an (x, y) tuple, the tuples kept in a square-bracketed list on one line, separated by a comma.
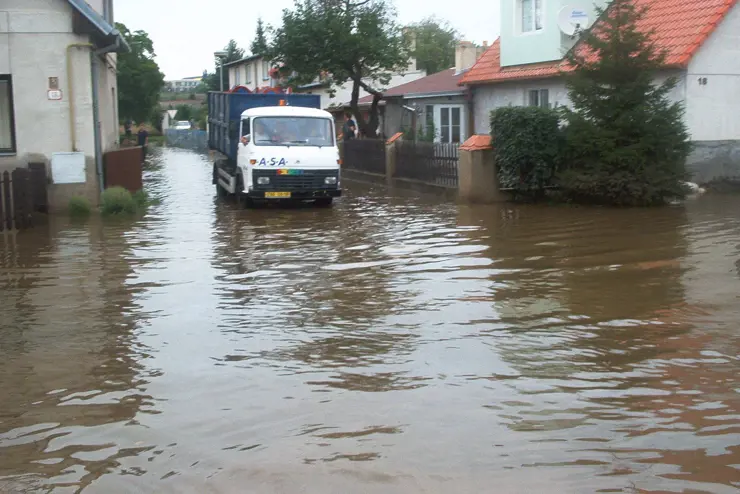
[(263, 180), (330, 180)]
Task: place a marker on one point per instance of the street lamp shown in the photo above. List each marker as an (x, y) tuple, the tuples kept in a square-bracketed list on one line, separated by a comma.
[(221, 55)]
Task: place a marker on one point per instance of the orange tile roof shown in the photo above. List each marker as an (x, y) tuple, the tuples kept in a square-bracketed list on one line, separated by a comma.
[(394, 138), (679, 26), (477, 142)]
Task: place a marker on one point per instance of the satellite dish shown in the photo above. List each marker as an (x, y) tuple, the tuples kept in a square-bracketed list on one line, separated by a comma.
[(572, 19)]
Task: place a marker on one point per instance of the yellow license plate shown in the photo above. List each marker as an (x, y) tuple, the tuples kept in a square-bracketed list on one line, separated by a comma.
[(277, 195)]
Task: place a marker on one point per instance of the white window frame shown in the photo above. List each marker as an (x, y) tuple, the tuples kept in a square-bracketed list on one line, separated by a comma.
[(248, 70), (538, 24), (265, 70), (238, 76), (438, 122)]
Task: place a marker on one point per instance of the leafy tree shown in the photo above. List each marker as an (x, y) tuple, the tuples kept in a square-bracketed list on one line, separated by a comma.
[(259, 45), (627, 143), (233, 53), (345, 41), (435, 44), (184, 112), (139, 79)]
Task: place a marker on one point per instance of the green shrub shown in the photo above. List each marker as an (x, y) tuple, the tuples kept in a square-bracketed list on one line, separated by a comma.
[(527, 144), (79, 207), (117, 200), (626, 140)]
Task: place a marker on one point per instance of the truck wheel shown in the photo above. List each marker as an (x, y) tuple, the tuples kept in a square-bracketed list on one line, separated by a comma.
[(221, 192), (241, 199), (324, 202)]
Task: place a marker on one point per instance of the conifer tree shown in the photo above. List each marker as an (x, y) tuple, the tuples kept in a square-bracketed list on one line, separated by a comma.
[(626, 140)]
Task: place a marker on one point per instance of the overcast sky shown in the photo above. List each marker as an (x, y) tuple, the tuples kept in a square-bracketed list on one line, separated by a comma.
[(187, 32)]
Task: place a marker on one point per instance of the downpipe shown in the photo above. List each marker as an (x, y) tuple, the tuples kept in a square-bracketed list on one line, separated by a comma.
[(95, 77), (70, 85)]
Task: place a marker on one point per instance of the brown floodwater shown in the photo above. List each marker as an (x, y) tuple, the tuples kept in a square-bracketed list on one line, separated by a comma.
[(393, 343)]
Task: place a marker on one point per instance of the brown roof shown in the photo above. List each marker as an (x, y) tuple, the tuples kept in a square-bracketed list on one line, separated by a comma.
[(679, 27), (442, 82)]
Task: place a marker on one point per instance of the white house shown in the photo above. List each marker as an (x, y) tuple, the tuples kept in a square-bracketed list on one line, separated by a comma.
[(253, 72), (702, 41), (58, 90)]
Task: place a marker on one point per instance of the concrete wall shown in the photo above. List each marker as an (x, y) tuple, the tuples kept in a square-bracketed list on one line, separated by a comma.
[(34, 35)]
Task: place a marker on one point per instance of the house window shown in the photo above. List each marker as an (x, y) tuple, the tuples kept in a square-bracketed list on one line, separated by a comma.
[(248, 70), (449, 123), (531, 15), (265, 70), (428, 117), (539, 97), (7, 124), (238, 76)]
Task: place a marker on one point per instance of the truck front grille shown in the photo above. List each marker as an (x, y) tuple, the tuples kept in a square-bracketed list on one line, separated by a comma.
[(306, 180)]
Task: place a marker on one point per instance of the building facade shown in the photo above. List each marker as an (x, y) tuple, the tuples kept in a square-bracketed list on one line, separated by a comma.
[(701, 39), (188, 84), (58, 91)]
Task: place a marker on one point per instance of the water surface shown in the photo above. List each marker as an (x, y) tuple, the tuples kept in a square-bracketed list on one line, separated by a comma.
[(393, 343)]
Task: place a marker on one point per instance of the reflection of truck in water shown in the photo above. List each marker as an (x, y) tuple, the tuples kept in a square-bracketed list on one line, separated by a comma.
[(273, 147)]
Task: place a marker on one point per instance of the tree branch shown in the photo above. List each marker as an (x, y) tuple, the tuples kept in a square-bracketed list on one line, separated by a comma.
[(369, 89)]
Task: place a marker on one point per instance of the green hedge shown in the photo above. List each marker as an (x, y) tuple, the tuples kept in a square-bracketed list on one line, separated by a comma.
[(527, 144)]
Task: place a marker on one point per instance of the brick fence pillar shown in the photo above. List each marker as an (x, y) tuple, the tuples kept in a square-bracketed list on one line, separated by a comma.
[(477, 178)]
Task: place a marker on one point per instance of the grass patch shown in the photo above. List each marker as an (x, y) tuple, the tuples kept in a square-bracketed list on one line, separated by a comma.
[(79, 207), (117, 201), (143, 200)]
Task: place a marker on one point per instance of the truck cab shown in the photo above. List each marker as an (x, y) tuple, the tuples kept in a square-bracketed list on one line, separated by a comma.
[(286, 153)]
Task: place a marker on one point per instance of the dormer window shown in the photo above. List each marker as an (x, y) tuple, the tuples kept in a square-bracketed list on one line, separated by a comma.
[(530, 15)]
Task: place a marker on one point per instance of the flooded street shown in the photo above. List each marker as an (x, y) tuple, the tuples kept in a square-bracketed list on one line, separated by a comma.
[(392, 343)]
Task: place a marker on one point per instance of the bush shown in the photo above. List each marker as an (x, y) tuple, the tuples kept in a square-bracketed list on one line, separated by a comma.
[(117, 200), (527, 143), (626, 140), (79, 207)]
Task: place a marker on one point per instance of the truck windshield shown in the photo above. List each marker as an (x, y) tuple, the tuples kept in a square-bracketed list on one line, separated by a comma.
[(292, 131)]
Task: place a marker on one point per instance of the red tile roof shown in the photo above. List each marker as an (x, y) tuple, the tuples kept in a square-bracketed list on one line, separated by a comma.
[(442, 82), (394, 137), (679, 26), (477, 142)]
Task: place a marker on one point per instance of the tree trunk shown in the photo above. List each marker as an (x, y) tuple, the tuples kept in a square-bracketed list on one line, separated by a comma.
[(369, 127)]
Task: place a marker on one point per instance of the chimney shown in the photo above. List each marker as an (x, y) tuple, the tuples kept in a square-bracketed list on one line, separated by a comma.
[(466, 53), (411, 36)]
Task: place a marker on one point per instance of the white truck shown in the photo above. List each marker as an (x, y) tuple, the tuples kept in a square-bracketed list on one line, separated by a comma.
[(272, 149)]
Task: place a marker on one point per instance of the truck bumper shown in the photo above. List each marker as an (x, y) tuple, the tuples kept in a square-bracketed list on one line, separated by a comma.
[(299, 195)]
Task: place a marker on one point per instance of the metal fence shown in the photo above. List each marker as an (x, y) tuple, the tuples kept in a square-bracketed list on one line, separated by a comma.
[(434, 163), (189, 139), (367, 155), (123, 168), (22, 192)]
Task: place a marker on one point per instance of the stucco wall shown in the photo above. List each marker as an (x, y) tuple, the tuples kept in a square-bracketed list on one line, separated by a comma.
[(713, 109), (490, 97), (34, 36), (537, 46)]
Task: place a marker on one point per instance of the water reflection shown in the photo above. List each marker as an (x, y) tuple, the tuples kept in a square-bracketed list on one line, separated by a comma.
[(390, 344), (69, 362)]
